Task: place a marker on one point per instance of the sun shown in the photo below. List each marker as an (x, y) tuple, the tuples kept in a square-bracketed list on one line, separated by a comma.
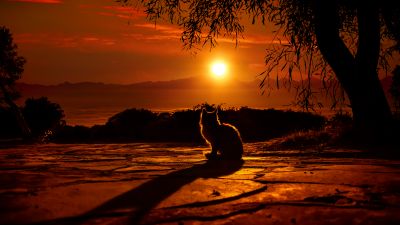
[(219, 69)]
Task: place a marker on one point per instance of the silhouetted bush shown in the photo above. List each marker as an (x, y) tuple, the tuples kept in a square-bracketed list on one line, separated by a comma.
[(134, 125), (130, 123), (42, 115), (8, 124), (76, 134), (263, 124)]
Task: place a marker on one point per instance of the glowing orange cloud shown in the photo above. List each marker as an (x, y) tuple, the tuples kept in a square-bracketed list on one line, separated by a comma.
[(39, 1), (86, 40), (165, 29), (126, 42), (123, 12)]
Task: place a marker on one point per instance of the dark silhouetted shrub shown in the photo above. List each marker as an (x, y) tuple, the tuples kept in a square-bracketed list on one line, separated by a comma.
[(42, 116), (8, 124), (130, 124), (133, 125), (74, 134)]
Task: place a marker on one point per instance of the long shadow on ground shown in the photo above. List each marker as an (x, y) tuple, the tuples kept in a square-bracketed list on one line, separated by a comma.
[(137, 202)]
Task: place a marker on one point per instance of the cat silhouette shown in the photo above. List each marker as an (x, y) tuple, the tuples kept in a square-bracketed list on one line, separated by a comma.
[(223, 138)]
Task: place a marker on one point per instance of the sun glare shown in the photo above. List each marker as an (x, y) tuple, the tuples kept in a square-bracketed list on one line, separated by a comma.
[(219, 69)]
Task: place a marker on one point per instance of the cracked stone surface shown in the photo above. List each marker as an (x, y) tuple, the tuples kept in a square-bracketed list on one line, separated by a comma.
[(174, 184)]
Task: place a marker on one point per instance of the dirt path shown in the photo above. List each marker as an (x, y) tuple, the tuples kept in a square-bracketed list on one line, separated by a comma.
[(171, 184)]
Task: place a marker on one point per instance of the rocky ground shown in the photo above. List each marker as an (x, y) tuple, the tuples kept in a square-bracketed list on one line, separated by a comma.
[(173, 184)]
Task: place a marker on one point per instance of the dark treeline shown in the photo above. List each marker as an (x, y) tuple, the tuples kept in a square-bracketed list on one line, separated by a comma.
[(42, 117), (136, 125), (141, 125)]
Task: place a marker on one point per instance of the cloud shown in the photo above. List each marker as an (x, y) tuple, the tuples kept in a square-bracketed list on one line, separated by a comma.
[(158, 32), (254, 40), (122, 9), (39, 1), (97, 43), (124, 12), (65, 41), (163, 32), (162, 28)]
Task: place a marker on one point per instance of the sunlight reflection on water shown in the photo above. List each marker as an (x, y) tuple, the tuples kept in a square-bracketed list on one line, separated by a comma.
[(100, 115), (97, 116)]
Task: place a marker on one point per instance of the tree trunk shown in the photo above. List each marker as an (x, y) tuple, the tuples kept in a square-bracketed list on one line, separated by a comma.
[(371, 105), (357, 74), (26, 132)]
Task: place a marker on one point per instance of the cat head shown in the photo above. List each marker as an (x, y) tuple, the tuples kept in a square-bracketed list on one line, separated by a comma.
[(209, 118)]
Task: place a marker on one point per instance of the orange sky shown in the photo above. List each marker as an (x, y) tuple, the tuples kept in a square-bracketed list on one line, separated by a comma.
[(100, 41)]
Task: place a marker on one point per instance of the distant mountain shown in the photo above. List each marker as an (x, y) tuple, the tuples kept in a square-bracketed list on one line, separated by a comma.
[(187, 83), (91, 103), (159, 94)]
